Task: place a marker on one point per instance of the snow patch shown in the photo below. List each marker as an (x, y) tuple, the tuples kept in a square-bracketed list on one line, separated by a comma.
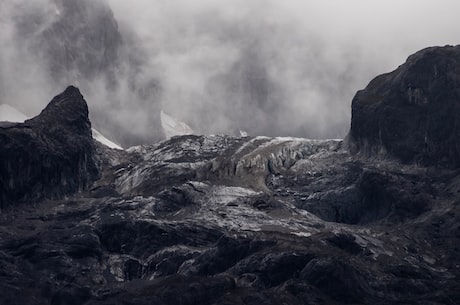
[(103, 140), (302, 234), (10, 114), (173, 127)]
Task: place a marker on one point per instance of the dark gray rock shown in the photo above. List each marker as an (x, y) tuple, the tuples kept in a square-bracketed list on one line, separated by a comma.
[(49, 156), (413, 112), (341, 281)]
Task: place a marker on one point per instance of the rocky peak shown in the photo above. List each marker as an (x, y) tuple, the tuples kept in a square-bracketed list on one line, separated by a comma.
[(412, 113), (67, 109), (50, 155)]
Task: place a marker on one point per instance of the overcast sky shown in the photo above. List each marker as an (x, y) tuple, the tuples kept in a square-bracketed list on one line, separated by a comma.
[(304, 59)]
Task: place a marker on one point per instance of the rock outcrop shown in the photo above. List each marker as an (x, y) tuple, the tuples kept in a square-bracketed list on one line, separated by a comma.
[(412, 113), (50, 155)]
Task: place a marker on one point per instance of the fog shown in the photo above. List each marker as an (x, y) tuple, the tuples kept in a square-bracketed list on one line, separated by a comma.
[(276, 68)]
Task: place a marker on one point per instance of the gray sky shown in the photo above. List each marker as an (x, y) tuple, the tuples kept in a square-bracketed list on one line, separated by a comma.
[(271, 67)]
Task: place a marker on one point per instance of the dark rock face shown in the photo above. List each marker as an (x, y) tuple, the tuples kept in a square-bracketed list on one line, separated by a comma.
[(50, 155), (413, 113)]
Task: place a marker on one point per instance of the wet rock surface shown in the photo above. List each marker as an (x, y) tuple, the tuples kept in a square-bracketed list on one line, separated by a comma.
[(239, 220)]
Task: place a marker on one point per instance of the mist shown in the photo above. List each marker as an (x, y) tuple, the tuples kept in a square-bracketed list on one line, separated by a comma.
[(275, 68)]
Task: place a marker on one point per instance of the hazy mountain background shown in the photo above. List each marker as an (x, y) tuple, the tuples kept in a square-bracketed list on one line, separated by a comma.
[(267, 67)]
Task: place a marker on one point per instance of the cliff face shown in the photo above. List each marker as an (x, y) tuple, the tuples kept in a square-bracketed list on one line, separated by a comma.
[(412, 113), (50, 155)]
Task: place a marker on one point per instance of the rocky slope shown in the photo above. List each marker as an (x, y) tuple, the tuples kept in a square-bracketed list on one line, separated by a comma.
[(241, 220)]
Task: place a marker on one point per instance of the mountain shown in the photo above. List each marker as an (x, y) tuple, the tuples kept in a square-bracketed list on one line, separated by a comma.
[(80, 42), (12, 115), (50, 155), (240, 220)]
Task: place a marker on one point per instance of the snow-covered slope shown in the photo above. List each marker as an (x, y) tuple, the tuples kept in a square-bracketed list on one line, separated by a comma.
[(10, 114), (103, 140), (173, 127)]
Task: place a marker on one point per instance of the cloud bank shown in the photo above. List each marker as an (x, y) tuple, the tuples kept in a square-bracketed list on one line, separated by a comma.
[(269, 67)]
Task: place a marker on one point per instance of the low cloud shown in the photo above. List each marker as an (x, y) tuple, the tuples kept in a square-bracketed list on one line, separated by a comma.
[(267, 67)]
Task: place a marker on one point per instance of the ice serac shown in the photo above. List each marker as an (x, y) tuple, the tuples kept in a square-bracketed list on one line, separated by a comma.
[(412, 113), (50, 155)]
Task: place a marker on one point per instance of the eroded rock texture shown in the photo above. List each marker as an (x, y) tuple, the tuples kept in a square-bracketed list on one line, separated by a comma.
[(49, 156), (413, 113)]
